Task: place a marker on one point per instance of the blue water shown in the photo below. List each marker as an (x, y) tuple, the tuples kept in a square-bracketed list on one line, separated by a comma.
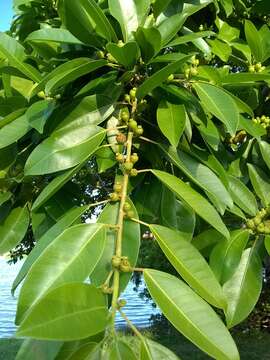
[(138, 310)]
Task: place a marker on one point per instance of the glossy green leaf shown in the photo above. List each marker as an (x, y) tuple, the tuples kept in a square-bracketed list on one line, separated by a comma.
[(13, 131), (191, 315), (126, 55), (176, 214), (105, 159), (16, 56), (196, 201), (226, 255), (254, 40), (151, 350), (238, 78), (72, 256), (60, 315), (38, 113), (13, 229), (84, 19), (267, 243), (202, 176), (53, 35), (32, 349), (81, 66), (157, 78), (130, 246), (190, 37), (171, 120), (120, 350), (219, 104), (159, 6), (4, 197), (64, 149), (207, 239), (244, 288), (130, 15), (190, 264), (83, 352), (149, 41), (260, 183), (67, 220), (265, 151), (242, 196)]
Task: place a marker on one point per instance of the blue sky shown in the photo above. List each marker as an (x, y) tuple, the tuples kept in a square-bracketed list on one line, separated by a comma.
[(5, 14)]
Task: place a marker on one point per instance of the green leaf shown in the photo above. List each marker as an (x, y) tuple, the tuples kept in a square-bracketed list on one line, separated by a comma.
[(191, 315), (190, 264), (157, 78), (72, 256), (244, 78), (13, 229), (149, 41), (244, 288), (242, 196), (81, 66), (171, 120), (53, 35), (190, 37), (60, 315), (176, 214), (84, 18), (220, 49), (151, 350), (13, 131), (254, 40), (159, 6), (202, 176), (38, 113), (130, 246), (105, 159), (64, 149), (226, 255), (32, 349), (67, 220), (207, 239), (126, 55), (219, 104), (130, 15), (15, 54), (265, 151), (83, 352), (260, 183), (267, 243), (197, 202), (4, 197), (120, 350)]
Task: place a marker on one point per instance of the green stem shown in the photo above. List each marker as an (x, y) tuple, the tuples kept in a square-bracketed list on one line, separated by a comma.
[(133, 327), (140, 222)]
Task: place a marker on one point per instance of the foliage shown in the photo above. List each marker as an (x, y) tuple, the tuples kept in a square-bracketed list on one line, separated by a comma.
[(157, 111)]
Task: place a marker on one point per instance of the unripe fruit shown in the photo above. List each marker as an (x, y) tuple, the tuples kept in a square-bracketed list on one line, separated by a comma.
[(193, 71), (170, 77), (127, 98), (201, 27), (258, 66), (134, 158), (132, 124), (41, 95), (116, 261), (251, 69), (111, 58), (130, 214), (132, 93), (127, 206), (120, 43), (139, 130), (125, 116), (117, 187), (197, 62), (261, 228), (122, 303), (100, 54), (121, 138), (133, 172), (128, 165), (114, 196), (187, 73), (263, 212), (267, 230), (250, 224), (125, 265), (120, 157), (257, 220)]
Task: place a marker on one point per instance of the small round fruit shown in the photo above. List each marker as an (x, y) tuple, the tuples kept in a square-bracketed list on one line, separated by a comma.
[(120, 157), (114, 196), (120, 43), (261, 228), (251, 69), (111, 58), (187, 73), (121, 138), (128, 165), (197, 62), (100, 54), (133, 93), (134, 158), (127, 98), (263, 212), (41, 95), (170, 77), (257, 220), (125, 116), (267, 230), (250, 224), (139, 130), (122, 303), (193, 71), (117, 187), (133, 172), (127, 206), (116, 261), (258, 66), (132, 124)]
